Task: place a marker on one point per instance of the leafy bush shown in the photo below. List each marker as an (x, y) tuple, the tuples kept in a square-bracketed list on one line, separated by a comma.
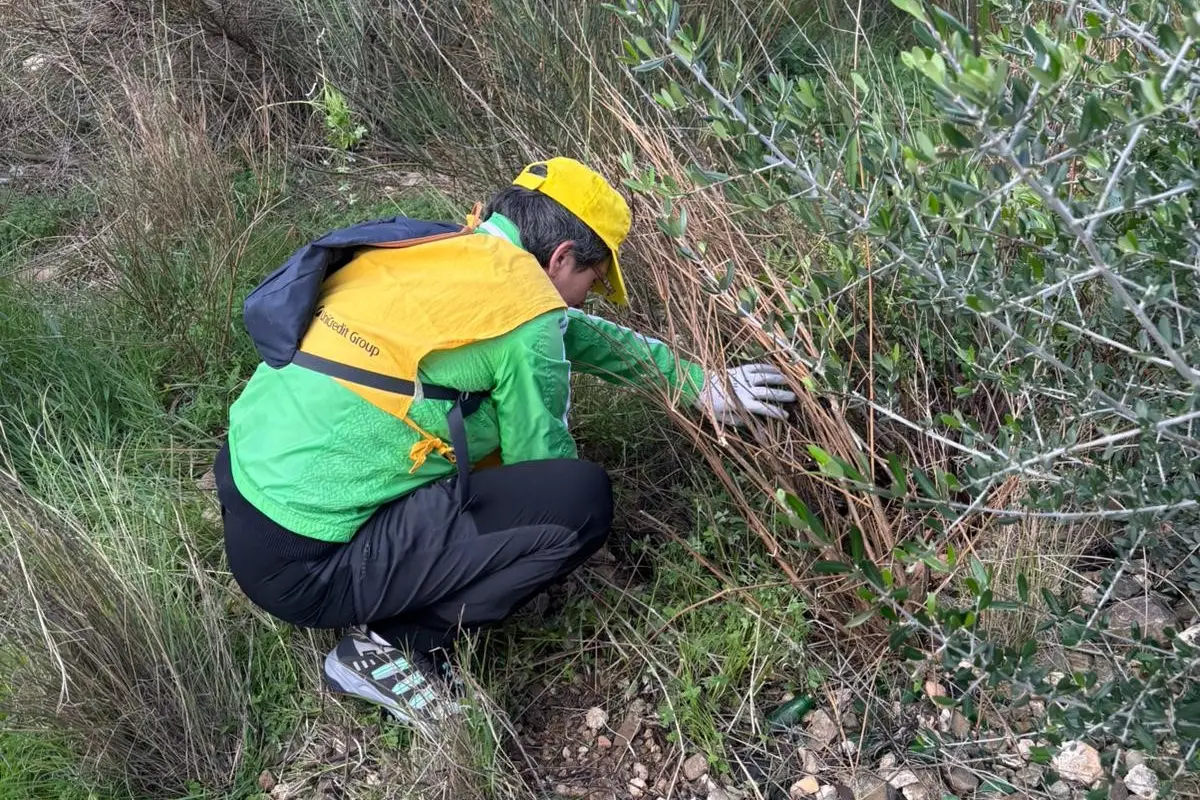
[(1032, 217)]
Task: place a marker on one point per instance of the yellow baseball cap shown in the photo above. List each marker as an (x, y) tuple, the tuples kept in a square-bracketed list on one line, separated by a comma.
[(588, 196)]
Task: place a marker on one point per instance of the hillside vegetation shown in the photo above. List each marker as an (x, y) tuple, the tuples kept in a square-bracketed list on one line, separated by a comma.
[(967, 565)]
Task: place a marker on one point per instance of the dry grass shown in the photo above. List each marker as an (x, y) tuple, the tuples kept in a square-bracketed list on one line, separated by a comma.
[(117, 632), (161, 107)]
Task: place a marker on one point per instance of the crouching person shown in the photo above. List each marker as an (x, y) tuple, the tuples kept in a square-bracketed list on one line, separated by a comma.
[(396, 354)]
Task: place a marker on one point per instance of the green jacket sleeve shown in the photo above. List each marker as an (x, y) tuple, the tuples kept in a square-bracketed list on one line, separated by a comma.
[(617, 354), (532, 392)]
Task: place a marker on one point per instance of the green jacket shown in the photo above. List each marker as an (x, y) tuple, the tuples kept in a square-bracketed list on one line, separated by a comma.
[(319, 460)]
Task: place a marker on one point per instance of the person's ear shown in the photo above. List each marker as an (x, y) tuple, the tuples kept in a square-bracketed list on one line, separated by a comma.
[(562, 260)]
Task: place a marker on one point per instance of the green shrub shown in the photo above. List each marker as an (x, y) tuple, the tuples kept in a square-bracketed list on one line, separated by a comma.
[(1032, 218)]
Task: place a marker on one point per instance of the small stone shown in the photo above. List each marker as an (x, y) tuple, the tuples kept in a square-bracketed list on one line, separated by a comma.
[(1191, 636), (1060, 790), (809, 761), (715, 791), (905, 777), (562, 789), (916, 791), (866, 786), (583, 751), (1149, 615), (821, 728), (827, 793), (1025, 749), (849, 747), (1010, 759), (596, 718), (960, 726), (887, 762), (695, 767), (634, 791), (603, 742), (566, 753), (961, 780), (281, 791), (805, 787), (1078, 763), (266, 781), (934, 689), (641, 772), (842, 698), (1134, 758), (1142, 781), (207, 482), (1030, 775)]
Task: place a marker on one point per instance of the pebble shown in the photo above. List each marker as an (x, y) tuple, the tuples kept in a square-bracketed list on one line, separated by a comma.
[(1149, 615), (903, 778), (916, 791), (961, 780), (266, 781), (695, 767), (1078, 763), (582, 750), (603, 742), (934, 689), (1142, 781), (566, 753), (717, 792), (827, 793), (562, 789), (809, 760), (1133, 758), (281, 791), (1030, 775), (805, 787), (1060, 790), (822, 728), (641, 771), (849, 747), (637, 787), (887, 762), (596, 718)]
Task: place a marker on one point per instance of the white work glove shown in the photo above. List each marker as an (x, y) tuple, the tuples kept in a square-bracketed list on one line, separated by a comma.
[(751, 385)]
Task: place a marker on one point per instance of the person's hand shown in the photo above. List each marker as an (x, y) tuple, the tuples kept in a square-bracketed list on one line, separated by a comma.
[(751, 385)]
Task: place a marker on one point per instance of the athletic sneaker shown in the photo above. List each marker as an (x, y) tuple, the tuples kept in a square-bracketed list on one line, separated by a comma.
[(406, 685)]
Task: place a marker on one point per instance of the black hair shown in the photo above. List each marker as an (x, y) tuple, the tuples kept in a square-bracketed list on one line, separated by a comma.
[(545, 223)]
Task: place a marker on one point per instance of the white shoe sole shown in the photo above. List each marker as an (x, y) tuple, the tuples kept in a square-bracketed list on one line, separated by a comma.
[(344, 680)]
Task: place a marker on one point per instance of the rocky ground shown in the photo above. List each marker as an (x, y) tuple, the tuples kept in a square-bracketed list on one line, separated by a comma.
[(586, 738), (602, 753)]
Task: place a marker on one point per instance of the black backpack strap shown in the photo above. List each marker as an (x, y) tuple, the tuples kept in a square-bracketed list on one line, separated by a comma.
[(465, 404)]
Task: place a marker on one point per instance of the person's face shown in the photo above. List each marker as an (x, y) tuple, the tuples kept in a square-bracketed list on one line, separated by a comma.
[(573, 283)]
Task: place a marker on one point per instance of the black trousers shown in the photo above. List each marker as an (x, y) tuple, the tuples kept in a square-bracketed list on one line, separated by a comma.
[(420, 570)]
